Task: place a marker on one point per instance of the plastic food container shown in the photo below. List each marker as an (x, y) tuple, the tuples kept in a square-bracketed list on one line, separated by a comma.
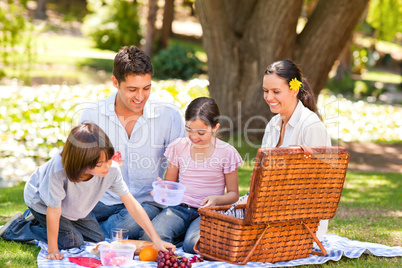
[(116, 254), (168, 193)]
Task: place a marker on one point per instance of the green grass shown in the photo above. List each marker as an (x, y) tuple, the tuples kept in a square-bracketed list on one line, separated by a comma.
[(14, 254)]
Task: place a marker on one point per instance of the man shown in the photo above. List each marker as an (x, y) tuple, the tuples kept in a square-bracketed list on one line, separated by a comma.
[(140, 128)]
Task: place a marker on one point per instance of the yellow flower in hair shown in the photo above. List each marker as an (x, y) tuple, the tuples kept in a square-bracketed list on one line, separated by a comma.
[(294, 84)]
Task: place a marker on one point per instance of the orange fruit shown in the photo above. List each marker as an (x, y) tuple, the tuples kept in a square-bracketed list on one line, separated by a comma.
[(148, 254)]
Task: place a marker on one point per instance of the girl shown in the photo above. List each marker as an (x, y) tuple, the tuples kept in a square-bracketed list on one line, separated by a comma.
[(206, 166), (61, 194)]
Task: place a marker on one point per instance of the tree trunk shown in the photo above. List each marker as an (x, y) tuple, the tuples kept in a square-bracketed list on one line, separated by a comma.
[(150, 33), (328, 30), (242, 37), (241, 40), (40, 12), (344, 62), (168, 11)]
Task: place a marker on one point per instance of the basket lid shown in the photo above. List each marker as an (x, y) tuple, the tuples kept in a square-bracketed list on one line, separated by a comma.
[(296, 184)]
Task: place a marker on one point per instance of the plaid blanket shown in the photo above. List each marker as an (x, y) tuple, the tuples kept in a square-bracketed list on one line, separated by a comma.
[(336, 247)]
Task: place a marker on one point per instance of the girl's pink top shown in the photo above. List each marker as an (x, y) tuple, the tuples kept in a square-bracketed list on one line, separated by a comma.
[(206, 178)]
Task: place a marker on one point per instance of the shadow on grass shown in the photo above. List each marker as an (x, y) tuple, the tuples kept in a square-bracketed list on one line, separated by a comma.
[(372, 191), (370, 208), (98, 64)]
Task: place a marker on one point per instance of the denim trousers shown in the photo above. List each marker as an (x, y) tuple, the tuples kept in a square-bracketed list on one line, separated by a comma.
[(117, 216), (71, 233), (176, 223)]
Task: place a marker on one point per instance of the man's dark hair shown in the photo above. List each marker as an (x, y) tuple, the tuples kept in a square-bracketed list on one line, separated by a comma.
[(131, 60)]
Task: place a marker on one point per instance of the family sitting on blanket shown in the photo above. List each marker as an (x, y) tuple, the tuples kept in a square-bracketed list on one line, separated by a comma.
[(149, 134)]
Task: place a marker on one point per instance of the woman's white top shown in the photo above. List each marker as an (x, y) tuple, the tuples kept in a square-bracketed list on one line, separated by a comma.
[(303, 128)]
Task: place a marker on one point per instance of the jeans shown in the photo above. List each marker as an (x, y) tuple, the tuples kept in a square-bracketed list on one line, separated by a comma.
[(192, 235), (71, 233), (175, 223), (117, 216)]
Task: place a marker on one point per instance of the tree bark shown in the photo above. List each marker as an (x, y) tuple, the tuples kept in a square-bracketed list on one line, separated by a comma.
[(242, 37), (344, 62), (241, 40), (150, 32), (40, 12), (328, 30), (168, 11)]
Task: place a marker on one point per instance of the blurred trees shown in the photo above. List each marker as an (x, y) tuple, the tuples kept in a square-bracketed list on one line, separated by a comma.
[(153, 40), (385, 16), (40, 12), (112, 23), (150, 33), (16, 40), (242, 37), (168, 12)]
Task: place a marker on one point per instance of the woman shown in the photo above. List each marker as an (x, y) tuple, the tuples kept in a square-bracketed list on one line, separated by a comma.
[(290, 97), (297, 121)]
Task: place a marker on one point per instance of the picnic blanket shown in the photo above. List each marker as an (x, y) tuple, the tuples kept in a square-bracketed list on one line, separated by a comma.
[(336, 247)]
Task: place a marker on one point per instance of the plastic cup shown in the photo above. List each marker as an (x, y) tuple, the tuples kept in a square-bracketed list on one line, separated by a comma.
[(118, 234)]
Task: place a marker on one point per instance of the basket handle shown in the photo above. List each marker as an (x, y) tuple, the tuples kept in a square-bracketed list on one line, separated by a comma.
[(307, 151), (324, 252), (245, 261)]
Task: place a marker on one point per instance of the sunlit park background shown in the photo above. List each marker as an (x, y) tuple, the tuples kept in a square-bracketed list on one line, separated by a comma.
[(57, 55)]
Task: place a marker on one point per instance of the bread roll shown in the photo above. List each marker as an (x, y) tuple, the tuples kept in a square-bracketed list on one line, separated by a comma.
[(140, 244)]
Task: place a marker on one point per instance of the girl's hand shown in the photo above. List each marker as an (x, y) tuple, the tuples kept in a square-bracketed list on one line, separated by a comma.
[(162, 245), (152, 192), (210, 201), (54, 256)]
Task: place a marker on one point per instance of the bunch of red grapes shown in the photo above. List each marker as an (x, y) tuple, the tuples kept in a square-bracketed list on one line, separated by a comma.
[(170, 259)]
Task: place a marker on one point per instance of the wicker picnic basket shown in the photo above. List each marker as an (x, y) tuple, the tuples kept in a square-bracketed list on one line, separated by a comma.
[(291, 190)]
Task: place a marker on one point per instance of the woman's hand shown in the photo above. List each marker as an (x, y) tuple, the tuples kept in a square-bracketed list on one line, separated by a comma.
[(54, 256), (210, 201), (162, 245)]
